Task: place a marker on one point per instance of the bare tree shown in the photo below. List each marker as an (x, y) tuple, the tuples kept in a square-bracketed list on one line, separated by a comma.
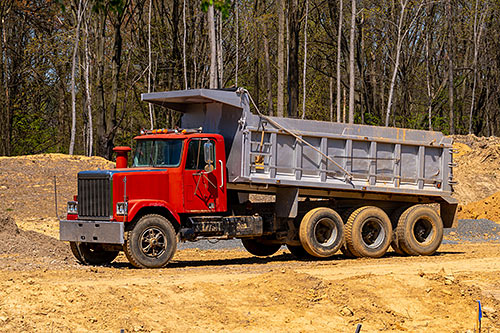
[(90, 126), (281, 50), (213, 47), (305, 64), (184, 45), (451, 79), (352, 83), (477, 32), (294, 16), (331, 97), (267, 62), (220, 62), (339, 51), (79, 16), (237, 56), (150, 65), (401, 34)]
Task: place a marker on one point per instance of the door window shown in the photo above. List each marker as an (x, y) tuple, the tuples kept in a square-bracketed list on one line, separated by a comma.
[(195, 155)]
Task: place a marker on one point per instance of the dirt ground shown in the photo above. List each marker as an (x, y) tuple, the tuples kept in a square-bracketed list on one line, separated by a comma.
[(42, 288), (229, 290)]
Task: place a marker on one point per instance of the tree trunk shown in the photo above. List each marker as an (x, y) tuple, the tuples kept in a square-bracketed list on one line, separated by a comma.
[(428, 66), (90, 126), (220, 62), (399, 43), (280, 101), (478, 29), (236, 9), (293, 58), (451, 56), (101, 101), (352, 83), (304, 81), (331, 98), (269, 85), (213, 47), (339, 53), (79, 15), (184, 45), (150, 65)]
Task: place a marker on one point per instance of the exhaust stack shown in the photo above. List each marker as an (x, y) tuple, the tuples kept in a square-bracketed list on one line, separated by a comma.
[(122, 156)]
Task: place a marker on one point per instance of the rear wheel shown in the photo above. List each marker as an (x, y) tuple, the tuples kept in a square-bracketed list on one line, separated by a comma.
[(92, 254), (259, 247), (394, 221), (151, 243), (420, 231), (321, 232), (345, 251), (368, 232)]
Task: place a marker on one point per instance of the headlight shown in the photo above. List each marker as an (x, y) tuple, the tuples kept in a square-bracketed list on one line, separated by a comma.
[(72, 207), (121, 208)]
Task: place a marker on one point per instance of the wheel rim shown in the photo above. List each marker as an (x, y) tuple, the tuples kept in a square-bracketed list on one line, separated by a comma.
[(372, 233), (325, 232), (423, 230), (153, 242)]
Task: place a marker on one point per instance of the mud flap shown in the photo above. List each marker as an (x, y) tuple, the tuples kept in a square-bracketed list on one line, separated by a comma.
[(448, 212)]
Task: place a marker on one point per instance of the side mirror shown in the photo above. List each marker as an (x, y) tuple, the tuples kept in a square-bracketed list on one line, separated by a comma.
[(208, 154)]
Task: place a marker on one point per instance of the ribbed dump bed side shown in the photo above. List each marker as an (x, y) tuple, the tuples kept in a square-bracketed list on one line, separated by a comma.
[(327, 155)]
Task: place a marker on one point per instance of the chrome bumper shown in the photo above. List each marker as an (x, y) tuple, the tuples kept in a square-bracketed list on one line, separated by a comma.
[(91, 231)]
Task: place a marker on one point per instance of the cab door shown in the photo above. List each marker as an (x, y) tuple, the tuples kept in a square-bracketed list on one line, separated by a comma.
[(204, 185)]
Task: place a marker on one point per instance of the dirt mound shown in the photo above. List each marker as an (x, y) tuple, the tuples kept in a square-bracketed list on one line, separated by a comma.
[(27, 182), (477, 173), (488, 208), (23, 250)]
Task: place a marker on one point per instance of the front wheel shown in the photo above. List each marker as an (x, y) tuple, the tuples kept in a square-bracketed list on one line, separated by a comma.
[(92, 254), (151, 243)]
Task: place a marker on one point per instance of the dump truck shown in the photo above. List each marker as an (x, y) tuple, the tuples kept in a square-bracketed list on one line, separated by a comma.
[(315, 187)]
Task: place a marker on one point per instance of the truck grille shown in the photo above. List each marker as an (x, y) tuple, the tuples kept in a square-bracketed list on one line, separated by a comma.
[(94, 196)]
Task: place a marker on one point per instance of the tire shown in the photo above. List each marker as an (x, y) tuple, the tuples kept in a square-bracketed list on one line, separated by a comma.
[(345, 251), (368, 232), (260, 248), (299, 252), (420, 231), (345, 217), (151, 243), (394, 221), (92, 254), (321, 232)]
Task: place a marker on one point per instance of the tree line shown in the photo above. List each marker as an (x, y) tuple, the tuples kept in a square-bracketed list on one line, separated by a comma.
[(72, 71)]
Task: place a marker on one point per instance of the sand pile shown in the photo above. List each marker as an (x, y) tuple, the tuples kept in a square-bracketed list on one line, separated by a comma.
[(488, 208)]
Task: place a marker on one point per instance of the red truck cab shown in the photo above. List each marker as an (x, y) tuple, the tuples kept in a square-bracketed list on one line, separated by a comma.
[(174, 174)]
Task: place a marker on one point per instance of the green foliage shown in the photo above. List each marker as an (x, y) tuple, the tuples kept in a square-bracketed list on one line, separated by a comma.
[(221, 5)]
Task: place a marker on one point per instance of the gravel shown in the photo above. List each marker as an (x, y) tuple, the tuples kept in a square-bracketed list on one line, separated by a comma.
[(475, 231)]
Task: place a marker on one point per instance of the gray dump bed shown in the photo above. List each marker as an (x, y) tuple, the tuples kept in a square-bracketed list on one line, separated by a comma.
[(267, 153)]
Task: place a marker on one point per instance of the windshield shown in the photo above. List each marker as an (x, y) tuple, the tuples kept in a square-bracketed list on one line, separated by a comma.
[(160, 153)]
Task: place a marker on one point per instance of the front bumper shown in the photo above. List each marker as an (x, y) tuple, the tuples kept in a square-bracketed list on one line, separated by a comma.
[(91, 231)]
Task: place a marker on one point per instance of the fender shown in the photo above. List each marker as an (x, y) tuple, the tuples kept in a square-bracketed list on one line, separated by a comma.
[(136, 205)]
